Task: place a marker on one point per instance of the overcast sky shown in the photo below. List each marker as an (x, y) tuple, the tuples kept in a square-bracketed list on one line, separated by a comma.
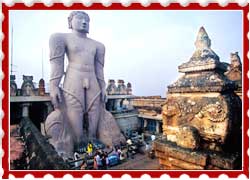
[(142, 47)]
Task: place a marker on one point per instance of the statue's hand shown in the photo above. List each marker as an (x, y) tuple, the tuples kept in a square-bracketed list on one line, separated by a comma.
[(56, 97), (104, 95)]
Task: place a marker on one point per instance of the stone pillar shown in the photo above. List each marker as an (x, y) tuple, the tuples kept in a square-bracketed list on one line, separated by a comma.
[(145, 123), (25, 110), (130, 106), (13, 86), (157, 127), (118, 104)]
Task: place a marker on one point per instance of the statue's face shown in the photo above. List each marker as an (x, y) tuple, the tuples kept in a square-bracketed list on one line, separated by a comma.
[(80, 23)]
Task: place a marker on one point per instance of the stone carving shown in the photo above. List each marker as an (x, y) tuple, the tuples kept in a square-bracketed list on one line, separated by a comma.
[(27, 88), (202, 115), (234, 70), (60, 135), (111, 88), (214, 112), (13, 86), (188, 137), (121, 88), (129, 88), (203, 98), (81, 100)]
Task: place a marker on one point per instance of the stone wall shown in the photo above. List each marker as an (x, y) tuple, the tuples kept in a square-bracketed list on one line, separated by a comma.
[(175, 157), (127, 121), (149, 103), (40, 154)]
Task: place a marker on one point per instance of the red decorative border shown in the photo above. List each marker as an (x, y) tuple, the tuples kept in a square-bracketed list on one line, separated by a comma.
[(118, 6)]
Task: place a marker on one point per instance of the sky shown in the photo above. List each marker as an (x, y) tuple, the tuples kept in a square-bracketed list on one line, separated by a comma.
[(144, 48)]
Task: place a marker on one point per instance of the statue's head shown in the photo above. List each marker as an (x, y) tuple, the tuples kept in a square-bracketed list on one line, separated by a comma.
[(79, 21)]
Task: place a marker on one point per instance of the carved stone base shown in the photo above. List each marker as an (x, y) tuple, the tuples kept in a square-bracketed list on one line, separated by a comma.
[(174, 157), (216, 116)]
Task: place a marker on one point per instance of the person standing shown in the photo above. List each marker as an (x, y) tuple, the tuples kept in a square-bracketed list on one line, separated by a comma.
[(90, 148)]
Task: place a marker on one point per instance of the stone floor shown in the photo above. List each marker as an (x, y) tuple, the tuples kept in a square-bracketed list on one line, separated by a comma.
[(139, 162)]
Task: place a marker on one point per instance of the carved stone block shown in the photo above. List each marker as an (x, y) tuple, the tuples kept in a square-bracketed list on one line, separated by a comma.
[(188, 137)]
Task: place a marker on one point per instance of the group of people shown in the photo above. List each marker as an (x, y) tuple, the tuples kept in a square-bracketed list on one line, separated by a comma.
[(104, 158), (101, 160)]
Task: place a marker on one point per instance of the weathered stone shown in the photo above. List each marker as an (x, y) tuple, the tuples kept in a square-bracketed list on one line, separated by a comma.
[(160, 154), (149, 103), (188, 137), (13, 86), (168, 165), (121, 88), (111, 88), (203, 98), (211, 167), (41, 154), (28, 88), (41, 88), (108, 130), (83, 95), (202, 114), (224, 161), (234, 72), (172, 150), (184, 164), (129, 88)]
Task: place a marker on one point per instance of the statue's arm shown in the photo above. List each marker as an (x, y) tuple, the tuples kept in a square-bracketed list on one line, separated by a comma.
[(57, 52), (99, 69)]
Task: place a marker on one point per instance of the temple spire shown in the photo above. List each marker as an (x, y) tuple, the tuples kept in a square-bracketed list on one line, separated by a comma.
[(202, 40)]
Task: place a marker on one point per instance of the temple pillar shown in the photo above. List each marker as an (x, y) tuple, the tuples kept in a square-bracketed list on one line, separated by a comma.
[(25, 110), (118, 104), (145, 123), (157, 127)]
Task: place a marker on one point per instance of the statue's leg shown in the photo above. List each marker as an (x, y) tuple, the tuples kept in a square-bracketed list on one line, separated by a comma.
[(94, 116), (75, 115)]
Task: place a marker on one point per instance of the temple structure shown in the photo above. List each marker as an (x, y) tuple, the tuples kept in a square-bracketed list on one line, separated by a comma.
[(149, 113), (202, 115), (200, 119)]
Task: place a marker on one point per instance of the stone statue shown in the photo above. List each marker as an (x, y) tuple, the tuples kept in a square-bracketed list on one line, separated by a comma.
[(28, 88), (234, 72), (83, 95), (13, 86), (111, 89)]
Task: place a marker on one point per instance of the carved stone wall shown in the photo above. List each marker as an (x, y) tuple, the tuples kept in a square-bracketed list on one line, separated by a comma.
[(40, 155)]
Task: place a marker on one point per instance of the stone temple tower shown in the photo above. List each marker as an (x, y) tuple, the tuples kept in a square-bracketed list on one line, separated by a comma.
[(202, 114)]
